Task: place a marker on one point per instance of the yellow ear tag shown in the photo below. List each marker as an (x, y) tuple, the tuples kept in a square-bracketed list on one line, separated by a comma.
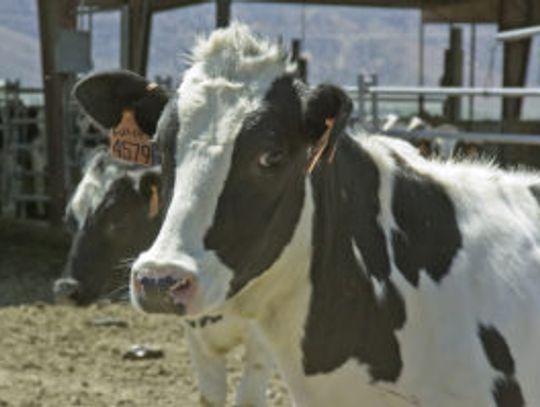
[(128, 142), (153, 206)]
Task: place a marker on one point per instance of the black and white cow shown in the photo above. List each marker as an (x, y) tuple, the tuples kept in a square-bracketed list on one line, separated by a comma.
[(379, 277), (114, 217)]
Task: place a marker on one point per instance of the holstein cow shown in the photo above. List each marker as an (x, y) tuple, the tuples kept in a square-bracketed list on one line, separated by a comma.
[(376, 277), (115, 218)]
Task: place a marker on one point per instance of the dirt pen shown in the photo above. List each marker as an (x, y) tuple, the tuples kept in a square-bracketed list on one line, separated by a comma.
[(60, 356)]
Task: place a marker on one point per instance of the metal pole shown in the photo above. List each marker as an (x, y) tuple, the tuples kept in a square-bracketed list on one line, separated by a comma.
[(421, 74), (223, 13), (375, 103), (361, 99), (125, 29), (511, 92), (518, 34), (54, 15), (472, 69)]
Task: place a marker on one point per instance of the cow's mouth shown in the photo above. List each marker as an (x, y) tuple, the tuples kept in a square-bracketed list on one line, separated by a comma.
[(171, 295), (66, 290)]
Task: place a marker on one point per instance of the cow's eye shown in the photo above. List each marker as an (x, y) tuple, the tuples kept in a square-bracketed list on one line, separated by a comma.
[(271, 159)]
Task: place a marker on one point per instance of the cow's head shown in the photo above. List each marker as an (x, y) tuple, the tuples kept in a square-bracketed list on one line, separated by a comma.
[(115, 215), (115, 211), (247, 130)]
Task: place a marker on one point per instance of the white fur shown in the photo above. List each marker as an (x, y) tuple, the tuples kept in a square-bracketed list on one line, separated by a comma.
[(92, 188), (208, 347)]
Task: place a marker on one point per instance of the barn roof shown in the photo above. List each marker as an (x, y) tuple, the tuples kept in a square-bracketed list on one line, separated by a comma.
[(459, 11)]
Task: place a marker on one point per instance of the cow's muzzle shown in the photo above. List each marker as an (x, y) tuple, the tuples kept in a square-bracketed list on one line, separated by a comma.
[(163, 289), (66, 290)]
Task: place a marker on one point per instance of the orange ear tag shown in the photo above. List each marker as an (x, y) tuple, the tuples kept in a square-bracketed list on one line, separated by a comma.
[(319, 148), (128, 142), (153, 206)]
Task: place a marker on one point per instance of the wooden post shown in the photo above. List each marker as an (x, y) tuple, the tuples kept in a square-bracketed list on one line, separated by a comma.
[(223, 13), (136, 26), (514, 14), (55, 15), (453, 73)]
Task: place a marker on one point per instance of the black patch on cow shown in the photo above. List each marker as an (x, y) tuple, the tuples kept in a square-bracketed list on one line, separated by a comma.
[(506, 390), (535, 190), (346, 320), (496, 349), (507, 393), (116, 231), (209, 320), (428, 236), (258, 208)]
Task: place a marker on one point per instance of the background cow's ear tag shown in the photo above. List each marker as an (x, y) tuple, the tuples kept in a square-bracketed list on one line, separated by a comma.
[(128, 142), (153, 206)]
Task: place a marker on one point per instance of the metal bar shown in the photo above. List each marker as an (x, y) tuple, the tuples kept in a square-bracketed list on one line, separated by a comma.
[(472, 68), (421, 64), (53, 17), (374, 103), (361, 95), (31, 198), (223, 13), (457, 91), (518, 34), (24, 90), (498, 138)]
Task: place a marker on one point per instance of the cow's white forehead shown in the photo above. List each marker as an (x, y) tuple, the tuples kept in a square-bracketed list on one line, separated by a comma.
[(99, 174), (231, 71)]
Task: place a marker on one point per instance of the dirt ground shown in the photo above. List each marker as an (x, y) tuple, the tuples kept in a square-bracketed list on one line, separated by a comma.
[(56, 356)]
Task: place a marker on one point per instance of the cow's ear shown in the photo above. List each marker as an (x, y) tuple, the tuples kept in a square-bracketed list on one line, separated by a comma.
[(105, 95), (328, 109), (150, 189)]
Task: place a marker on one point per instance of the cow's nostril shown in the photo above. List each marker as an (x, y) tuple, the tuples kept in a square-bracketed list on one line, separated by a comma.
[(146, 282), (182, 284)]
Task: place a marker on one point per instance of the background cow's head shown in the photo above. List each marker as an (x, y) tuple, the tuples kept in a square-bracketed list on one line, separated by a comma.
[(114, 214), (115, 211), (246, 132)]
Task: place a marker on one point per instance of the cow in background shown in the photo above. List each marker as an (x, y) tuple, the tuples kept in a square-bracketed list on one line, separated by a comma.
[(376, 277), (113, 215), (114, 218)]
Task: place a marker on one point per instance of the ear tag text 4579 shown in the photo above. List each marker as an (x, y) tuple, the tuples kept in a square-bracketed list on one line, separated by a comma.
[(128, 142)]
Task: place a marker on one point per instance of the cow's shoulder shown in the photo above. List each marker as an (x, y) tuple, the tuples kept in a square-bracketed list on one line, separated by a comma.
[(426, 235)]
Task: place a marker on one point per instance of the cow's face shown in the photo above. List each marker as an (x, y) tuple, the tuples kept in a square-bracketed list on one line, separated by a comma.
[(245, 131), (122, 222)]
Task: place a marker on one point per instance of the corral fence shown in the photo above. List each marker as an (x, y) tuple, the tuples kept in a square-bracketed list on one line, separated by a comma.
[(370, 98), (23, 148)]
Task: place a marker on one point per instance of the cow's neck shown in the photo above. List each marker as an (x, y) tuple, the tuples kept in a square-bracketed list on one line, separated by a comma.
[(354, 306), (331, 285)]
